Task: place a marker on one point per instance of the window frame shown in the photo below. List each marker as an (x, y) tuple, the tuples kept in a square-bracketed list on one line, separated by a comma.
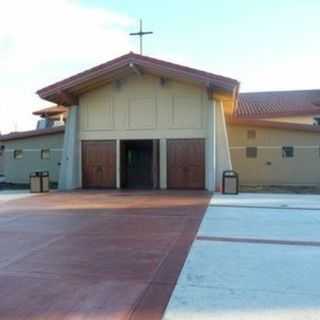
[(16, 152), (42, 151), (251, 134), (250, 155), (285, 150), (316, 121)]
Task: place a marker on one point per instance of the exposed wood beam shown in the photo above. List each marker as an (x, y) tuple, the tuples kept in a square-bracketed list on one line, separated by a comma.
[(117, 84)]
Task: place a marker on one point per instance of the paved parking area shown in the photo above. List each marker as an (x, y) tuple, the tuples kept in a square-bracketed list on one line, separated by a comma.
[(94, 255), (252, 263)]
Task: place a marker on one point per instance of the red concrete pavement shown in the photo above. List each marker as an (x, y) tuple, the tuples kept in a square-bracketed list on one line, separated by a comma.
[(94, 255)]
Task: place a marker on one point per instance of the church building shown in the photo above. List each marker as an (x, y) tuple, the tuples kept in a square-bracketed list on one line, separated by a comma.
[(140, 122)]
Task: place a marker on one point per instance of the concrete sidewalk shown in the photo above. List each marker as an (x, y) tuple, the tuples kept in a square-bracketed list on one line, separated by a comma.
[(251, 263), (8, 195), (268, 200)]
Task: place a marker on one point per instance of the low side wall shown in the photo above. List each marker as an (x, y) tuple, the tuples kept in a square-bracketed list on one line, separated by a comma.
[(18, 170), (269, 167)]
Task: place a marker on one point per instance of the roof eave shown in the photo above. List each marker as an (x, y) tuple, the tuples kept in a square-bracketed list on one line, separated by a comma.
[(63, 91), (273, 124), (31, 133), (279, 114)]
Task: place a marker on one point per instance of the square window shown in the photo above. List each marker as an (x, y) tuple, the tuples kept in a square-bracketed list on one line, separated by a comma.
[(251, 134), (251, 152), (316, 121), (17, 154), (287, 152), (45, 154)]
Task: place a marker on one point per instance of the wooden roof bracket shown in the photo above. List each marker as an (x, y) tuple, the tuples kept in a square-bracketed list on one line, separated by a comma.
[(67, 99), (210, 90)]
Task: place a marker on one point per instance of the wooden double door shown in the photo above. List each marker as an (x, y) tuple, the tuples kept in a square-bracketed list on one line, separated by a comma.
[(185, 163), (140, 164), (99, 164)]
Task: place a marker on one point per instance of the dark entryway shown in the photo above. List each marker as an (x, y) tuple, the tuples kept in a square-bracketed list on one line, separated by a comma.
[(139, 164), (99, 164), (185, 163)]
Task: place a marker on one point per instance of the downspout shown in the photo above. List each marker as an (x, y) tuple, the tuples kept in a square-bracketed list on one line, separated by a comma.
[(214, 105), (224, 124)]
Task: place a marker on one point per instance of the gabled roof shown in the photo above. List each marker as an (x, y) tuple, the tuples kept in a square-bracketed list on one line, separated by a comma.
[(51, 111), (273, 124), (275, 104), (31, 133), (66, 90)]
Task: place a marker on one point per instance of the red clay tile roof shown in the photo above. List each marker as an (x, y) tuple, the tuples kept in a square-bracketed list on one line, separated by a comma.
[(54, 110), (109, 70), (278, 104), (272, 124), (31, 133)]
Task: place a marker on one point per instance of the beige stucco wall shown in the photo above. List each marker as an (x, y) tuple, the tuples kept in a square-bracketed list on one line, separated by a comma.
[(18, 170), (302, 169), (143, 109), (299, 119)]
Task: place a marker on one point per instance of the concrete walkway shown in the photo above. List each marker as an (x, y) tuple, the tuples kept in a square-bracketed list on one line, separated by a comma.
[(251, 263)]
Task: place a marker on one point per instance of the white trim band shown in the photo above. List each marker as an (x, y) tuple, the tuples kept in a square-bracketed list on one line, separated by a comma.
[(34, 150), (275, 147)]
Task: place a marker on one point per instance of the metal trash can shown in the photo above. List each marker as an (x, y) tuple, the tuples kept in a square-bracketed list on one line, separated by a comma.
[(39, 182), (45, 181), (230, 182), (35, 182)]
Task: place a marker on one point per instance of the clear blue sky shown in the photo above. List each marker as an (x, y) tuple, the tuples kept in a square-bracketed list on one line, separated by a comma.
[(242, 38), (266, 45)]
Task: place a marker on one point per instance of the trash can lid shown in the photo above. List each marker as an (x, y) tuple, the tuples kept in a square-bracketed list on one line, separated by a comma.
[(35, 174), (230, 173)]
